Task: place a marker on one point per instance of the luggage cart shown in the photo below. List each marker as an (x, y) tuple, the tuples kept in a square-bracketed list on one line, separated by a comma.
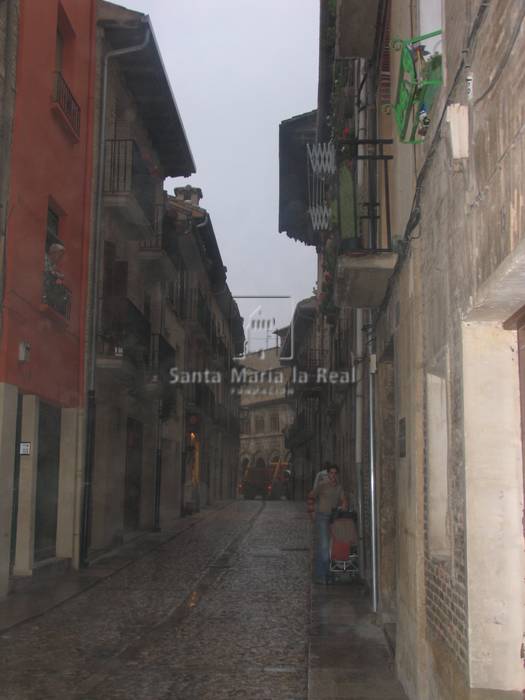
[(344, 560)]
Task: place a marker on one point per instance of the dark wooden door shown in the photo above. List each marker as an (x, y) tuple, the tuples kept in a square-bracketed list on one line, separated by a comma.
[(133, 478), (47, 481)]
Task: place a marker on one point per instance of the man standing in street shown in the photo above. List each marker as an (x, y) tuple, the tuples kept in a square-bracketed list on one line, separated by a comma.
[(328, 494)]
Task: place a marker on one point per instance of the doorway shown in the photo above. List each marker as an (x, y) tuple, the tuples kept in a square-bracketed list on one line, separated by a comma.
[(391, 452), (47, 481)]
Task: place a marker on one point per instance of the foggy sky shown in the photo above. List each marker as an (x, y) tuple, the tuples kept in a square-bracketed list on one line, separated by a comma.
[(237, 69)]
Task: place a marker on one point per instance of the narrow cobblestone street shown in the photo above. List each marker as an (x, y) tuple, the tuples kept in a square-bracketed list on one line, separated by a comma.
[(219, 611)]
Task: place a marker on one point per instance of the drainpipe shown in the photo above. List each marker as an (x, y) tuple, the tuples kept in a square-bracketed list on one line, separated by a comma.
[(358, 413), (371, 440), (158, 470), (360, 113), (6, 126), (96, 260)]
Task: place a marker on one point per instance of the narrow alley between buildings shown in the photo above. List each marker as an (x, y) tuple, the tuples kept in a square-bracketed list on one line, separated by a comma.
[(221, 608), (261, 263)]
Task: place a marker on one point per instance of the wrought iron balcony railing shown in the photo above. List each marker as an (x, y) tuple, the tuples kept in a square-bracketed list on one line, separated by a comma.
[(175, 295), (311, 360), (67, 103), (154, 246), (126, 173), (363, 200), (197, 309), (151, 244), (201, 397), (125, 332), (302, 430), (161, 358), (56, 295)]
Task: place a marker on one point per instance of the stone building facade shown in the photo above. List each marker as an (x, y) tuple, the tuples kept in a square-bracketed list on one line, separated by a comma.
[(424, 261), (265, 411), (107, 285), (214, 335), (138, 435)]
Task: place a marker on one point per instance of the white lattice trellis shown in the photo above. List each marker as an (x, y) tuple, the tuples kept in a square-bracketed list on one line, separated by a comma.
[(321, 217), (321, 168), (322, 158)]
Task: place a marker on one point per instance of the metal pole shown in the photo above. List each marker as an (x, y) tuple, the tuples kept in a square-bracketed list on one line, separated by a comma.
[(94, 304), (358, 413), (8, 55), (371, 434), (158, 470)]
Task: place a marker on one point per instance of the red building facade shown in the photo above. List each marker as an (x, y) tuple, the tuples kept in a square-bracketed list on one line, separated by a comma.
[(50, 200), (45, 279)]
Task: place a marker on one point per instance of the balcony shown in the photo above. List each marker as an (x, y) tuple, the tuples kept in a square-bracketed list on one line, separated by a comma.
[(56, 297), (153, 251), (306, 382), (200, 399), (365, 259), (129, 187), (301, 431), (114, 357), (220, 356), (66, 108), (356, 28), (197, 313), (161, 359), (176, 295), (157, 376), (124, 341)]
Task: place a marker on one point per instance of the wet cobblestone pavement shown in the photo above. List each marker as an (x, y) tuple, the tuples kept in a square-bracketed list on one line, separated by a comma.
[(220, 611)]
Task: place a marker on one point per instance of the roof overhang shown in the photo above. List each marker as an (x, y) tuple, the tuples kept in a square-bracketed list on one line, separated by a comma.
[(356, 28), (346, 33), (294, 134), (202, 231), (146, 79), (303, 317)]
